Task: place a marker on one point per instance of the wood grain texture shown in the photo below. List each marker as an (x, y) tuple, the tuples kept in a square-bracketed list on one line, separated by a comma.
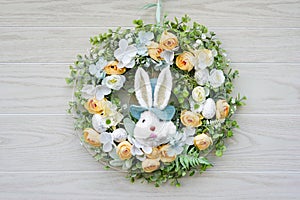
[(40, 155), (93, 185), (60, 44), (229, 13), (40, 88), (48, 143)]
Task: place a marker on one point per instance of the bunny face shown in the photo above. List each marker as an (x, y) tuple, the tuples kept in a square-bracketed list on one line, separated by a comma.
[(153, 95), (151, 131)]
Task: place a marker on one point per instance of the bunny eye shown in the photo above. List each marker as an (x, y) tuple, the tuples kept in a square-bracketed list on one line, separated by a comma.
[(161, 120), (143, 120)]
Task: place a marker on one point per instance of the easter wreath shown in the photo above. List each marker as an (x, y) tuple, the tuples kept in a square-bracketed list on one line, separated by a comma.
[(154, 101)]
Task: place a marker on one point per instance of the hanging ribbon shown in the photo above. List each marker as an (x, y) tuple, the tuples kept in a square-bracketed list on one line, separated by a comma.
[(158, 10)]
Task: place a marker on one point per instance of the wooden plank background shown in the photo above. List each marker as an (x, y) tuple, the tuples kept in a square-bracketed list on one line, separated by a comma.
[(40, 154)]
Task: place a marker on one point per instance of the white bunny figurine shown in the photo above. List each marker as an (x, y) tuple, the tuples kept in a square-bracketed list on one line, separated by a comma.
[(154, 114)]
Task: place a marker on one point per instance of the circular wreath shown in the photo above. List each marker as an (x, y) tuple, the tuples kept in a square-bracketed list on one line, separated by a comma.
[(154, 101)]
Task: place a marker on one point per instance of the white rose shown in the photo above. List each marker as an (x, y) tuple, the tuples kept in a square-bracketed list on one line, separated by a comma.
[(209, 109), (198, 94), (114, 82), (201, 76), (99, 123), (204, 58), (216, 78), (119, 135)]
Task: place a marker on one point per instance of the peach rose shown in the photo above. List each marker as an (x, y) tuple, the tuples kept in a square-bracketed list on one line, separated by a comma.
[(124, 150), (164, 155), (168, 41), (191, 119), (222, 109), (91, 137), (154, 51), (94, 106), (202, 141), (155, 154), (150, 165), (112, 68), (185, 61)]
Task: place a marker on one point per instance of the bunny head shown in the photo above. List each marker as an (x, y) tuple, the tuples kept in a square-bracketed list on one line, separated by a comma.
[(154, 114)]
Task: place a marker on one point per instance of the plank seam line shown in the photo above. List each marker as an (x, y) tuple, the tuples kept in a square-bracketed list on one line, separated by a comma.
[(62, 114), (129, 27)]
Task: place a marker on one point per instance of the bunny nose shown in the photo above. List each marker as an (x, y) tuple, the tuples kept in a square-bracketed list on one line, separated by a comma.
[(152, 128)]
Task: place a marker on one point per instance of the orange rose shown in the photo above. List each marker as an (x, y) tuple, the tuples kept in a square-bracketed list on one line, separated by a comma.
[(124, 150), (94, 106), (112, 68), (222, 109), (91, 137), (154, 154), (185, 61), (154, 51), (168, 41), (164, 155), (150, 165), (191, 119), (202, 141)]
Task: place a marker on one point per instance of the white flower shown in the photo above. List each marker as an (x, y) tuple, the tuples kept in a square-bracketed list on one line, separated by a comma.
[(119, 135), (201, 76), (145, 37), (107, 141), (204, 58), (90, 91), (216, 78), (168, 57), (114, 82), (125, 54), (199, 94), (209, 109), (99, 123), (97, 69)]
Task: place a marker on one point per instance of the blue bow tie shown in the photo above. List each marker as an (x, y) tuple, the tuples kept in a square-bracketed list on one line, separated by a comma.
[(166, 114)]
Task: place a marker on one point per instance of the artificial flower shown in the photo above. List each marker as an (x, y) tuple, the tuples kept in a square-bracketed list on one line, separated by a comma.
[(155, 154), (125, 54), (202, 141), (90, 91), (155, 50), (124, 150), (185, 61), (168, 57), (112, 68), (195, 106), (107, 141), (145, 37), (164, 154), (150, 165), (222, 109), (191, 119), (203, 59), (97, 69), (119, 135), (114, 82), (92, 137), (95, 106), (209, 109), (216, 78), (201, 76), (168, 41), (198, 94)]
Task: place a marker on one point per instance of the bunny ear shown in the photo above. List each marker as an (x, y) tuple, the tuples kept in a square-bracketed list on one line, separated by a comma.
[(142, 86), (163, 89)]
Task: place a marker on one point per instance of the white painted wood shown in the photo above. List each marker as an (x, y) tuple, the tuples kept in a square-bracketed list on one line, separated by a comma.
[(41, 158), (228, 13), (60, 44), (110, 185), (48, 143), (41, 88)]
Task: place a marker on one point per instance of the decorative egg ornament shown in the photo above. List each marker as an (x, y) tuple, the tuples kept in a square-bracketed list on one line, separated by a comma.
[(154, 100)]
